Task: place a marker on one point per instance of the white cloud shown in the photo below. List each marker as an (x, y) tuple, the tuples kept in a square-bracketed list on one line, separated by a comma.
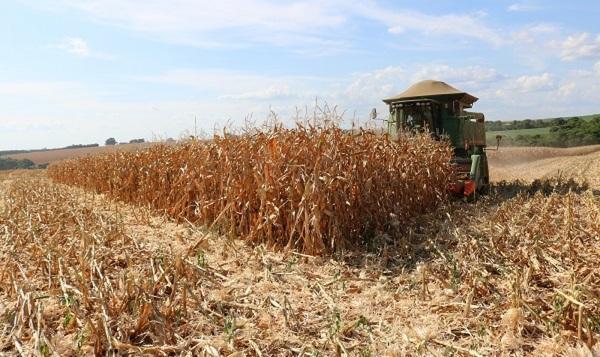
[(201, 16), (471, 76), (535, 44), (597, 68), (226, 23), (578, 46), (310, 26), (530, 83), (566, 89), (76, 46), (399, 21), (80, 48), (522, 6), (375, 85), (535, 33)]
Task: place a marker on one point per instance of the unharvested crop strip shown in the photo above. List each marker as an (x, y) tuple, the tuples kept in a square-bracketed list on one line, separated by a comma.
[(313, 189)]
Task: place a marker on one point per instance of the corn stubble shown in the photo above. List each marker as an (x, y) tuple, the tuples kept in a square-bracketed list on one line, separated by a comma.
[(312, 188), (513, 274), (77, 284)]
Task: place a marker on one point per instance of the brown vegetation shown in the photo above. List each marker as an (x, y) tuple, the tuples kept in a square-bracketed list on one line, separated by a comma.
[(311, 189)]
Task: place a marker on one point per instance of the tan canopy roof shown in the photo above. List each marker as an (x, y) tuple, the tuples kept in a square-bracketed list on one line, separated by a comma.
[(432, 89)]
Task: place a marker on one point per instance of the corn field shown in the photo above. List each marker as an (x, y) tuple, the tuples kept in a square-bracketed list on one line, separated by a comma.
[(312, 189)]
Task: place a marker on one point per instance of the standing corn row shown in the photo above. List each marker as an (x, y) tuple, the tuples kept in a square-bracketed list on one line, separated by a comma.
[(307, 188)]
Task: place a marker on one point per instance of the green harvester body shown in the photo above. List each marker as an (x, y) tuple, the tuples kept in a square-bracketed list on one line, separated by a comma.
[(439, 109)]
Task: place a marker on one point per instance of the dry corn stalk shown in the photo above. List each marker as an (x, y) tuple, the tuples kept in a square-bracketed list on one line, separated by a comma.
[(314, 189)]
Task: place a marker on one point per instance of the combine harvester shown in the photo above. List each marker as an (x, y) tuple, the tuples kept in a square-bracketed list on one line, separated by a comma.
[(439, 108)]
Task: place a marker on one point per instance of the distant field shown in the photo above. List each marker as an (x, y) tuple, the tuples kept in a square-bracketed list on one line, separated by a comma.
[(491, 135), (50, 156)]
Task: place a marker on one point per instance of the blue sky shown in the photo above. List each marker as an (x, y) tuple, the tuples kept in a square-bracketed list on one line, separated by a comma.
[(79, 71)]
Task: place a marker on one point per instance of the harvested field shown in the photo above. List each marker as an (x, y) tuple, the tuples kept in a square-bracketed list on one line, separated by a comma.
[(580, 163), (51, 156), (312, 189), (518, 155)]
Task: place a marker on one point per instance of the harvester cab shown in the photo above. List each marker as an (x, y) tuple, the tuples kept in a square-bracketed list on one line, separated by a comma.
[(439, 109)]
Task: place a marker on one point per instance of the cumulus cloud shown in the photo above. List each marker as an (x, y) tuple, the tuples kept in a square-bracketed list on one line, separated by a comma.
[(536, 43), (534, 82), (579, 46)]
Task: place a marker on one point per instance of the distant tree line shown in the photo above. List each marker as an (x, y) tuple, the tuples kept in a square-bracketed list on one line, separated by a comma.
[(575, 131), (113, 141), (562, 133), (499, 125), (80, 146)]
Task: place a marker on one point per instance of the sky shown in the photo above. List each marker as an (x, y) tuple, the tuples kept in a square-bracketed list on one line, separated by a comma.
[(80, 71)]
